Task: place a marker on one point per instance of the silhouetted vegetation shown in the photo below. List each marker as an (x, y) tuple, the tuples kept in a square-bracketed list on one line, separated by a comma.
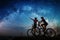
[(28, 38)]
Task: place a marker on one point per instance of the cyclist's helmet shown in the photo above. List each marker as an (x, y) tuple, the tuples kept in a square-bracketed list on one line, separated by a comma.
[(35, 17), (42, 17)]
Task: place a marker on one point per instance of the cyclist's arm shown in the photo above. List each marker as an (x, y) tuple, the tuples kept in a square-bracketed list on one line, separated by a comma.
[(31, 19)]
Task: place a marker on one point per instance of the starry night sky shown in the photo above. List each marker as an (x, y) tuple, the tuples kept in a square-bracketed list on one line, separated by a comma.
[(15, 14)]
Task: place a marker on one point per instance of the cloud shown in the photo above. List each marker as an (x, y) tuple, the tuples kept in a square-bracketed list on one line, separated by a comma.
[(11, 24), (45, 11), (34, 14), (52, 23), (27, 8), (19, 22)]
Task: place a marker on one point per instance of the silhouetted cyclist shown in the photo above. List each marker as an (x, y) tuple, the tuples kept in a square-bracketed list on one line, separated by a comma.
[(35, 23), (43, 23)]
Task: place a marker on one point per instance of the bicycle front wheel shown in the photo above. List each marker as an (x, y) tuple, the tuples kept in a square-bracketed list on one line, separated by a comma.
[(50, 32), (29, 32)]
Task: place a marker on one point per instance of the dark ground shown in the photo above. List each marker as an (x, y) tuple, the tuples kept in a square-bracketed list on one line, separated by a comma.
[(29, 38)]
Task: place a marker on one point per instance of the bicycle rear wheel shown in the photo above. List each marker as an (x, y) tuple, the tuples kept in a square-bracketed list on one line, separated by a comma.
[(37, 32), (29, 32)]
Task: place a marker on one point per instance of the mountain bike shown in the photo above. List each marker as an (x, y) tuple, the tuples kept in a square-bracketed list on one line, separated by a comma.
[(49, 32)]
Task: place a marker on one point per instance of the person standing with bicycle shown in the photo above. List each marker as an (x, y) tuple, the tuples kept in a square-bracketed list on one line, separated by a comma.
[(43, 23), (35, 24), (49, 32)]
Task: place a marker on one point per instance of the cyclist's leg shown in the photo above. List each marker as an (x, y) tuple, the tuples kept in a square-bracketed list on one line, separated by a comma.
[(44, 27), (34, 28)]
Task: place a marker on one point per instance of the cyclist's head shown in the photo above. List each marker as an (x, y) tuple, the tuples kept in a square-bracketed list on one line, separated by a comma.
[(42, 17), (35, 18)]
